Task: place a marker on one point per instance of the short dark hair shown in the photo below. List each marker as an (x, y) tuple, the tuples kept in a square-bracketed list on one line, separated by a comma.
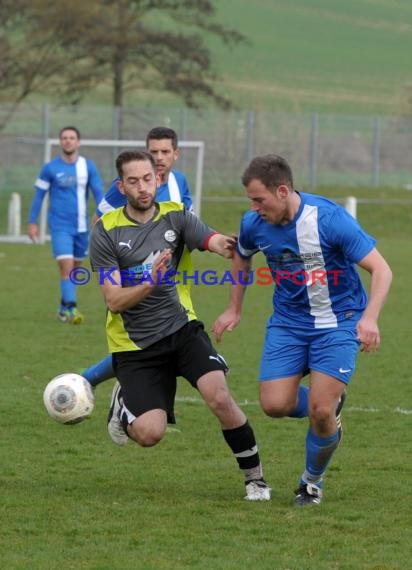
[(159, 133), (272, 170), (75, 129), (129, 156)]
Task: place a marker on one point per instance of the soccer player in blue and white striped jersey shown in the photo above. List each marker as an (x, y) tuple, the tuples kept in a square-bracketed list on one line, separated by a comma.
[(162, 144), (321, 317), (67, 180)]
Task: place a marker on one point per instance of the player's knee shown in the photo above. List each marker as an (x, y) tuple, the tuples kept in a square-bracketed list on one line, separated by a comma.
[(321, 415), (147, 436), (220, 401), (277, 407)]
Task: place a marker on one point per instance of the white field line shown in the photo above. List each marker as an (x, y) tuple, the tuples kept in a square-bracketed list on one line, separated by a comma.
[(246, 403)]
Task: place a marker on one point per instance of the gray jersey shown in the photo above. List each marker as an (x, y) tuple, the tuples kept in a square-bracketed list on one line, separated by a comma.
[(119, 243)]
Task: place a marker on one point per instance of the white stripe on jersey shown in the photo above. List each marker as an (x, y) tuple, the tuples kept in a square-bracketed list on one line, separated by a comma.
[(42, 184), (307, 234), (81, 175), (104, 206), (173, 187)]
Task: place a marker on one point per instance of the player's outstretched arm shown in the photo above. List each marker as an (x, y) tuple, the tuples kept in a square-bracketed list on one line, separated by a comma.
[(222, 245), (229, 319), (381, 278)]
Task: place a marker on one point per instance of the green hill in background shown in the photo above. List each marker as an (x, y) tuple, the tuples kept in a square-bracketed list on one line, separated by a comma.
[(347, 56), (351, 56), (327, 55)]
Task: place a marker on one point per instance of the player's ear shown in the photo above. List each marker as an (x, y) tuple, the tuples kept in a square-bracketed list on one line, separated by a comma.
[(282, 191), (119, 185), (158, 180), (176, 153)]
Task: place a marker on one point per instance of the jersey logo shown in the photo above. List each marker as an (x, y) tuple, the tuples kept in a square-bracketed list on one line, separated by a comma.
[(170, 236), (127, 244)]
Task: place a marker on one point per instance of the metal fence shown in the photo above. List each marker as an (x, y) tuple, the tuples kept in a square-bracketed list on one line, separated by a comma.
[(322, 149)]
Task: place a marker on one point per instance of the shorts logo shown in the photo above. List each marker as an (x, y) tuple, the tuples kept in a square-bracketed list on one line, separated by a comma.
[(170, 236), (344, 370)]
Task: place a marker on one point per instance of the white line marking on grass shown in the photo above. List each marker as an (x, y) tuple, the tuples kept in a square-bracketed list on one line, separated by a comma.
[(245, 403), (402, 411)]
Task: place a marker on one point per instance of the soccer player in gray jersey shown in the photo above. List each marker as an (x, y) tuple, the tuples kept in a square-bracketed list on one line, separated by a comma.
[(152, 330)]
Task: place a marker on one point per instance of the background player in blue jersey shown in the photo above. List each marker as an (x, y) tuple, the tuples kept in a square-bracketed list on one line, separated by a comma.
[(162, 143), (321, 312), (67, 178)]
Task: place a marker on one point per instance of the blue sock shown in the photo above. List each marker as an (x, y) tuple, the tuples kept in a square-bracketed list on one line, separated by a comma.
[(319, 451), (68, 292), (100, 371), (301, 410)]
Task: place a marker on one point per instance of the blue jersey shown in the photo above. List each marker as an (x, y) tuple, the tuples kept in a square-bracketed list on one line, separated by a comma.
[(312, 262), (68, 185), (175, 189)]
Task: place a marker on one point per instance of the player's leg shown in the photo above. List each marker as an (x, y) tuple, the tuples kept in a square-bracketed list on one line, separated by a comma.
[(237, 432), (99, 371), (332, 357), (80, 252), (284, 362), (322, 438), (205, 369), (140, 410), (63, 252)]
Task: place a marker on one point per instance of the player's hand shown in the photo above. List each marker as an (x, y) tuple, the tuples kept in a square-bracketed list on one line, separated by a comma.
[(161, 265), (223, 245), (368, 335), (227, 321), (33, 232)]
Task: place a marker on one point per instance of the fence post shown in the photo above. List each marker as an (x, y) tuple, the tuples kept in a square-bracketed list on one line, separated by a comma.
[(183, 136), (350, 205), (250, 136), (14, 215), (376, 151), (313, 150)]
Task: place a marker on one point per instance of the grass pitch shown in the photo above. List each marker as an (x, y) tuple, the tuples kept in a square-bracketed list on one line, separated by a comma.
[(70, 499)]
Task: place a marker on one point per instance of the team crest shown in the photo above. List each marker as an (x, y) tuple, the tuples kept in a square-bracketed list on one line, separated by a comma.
[(170, 236)]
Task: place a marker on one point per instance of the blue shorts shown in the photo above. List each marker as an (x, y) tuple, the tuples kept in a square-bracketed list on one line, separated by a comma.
[(289, 351), (65, 244)]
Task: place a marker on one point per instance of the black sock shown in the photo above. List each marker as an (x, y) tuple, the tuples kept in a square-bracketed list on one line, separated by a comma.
[(242, 442)]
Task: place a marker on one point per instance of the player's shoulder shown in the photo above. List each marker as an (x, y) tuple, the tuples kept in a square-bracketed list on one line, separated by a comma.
[(319, 201), (171, 207), (91, 165), (56, 162), (180, 176), (114, 219), (251, 219)]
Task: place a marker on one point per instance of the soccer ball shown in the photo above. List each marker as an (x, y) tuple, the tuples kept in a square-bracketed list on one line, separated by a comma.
[(68, 398)]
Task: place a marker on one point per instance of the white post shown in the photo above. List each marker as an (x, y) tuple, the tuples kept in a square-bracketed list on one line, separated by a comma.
[(45, 205), (350, 205), (14, 215), (199, 177)]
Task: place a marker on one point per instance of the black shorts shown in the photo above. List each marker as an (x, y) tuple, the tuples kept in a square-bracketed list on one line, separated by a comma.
[(148, 376)]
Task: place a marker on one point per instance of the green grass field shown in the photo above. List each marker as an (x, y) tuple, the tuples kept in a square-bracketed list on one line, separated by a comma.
[(70, 499)]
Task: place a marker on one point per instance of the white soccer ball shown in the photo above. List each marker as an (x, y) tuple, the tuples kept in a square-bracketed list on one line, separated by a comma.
[(69, 398)]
